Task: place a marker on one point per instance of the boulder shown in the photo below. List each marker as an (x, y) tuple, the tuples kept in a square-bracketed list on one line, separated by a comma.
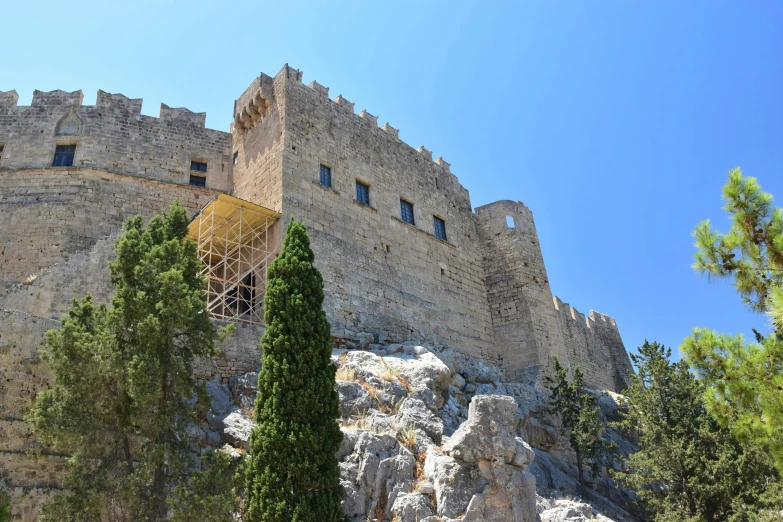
[(571, 511), (454, 482), (414, 414), (412, 507), (374, 474), (354, 399), (489, 432), (244, 389), (220, 401), (236, 428)]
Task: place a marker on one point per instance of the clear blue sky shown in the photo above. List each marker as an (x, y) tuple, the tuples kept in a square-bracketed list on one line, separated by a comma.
[(614, 121)]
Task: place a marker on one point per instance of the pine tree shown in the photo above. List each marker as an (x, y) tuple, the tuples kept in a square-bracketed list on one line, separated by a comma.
[(688, 467), (122, 376), (293, 475), (5, 502), (745, 379), (579, 420)]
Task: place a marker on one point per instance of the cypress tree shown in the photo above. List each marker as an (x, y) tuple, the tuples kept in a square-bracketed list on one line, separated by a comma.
[(293, 475)]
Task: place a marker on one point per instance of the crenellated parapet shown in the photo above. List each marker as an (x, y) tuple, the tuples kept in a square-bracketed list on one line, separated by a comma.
[(364, 116), (594, 345), (112, 135)]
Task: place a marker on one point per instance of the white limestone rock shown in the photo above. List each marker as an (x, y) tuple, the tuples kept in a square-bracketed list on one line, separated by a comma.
[(571, 511), (412, 507), (489, 432), (414, 414), (374, 474), (236, 428), (354, 399)]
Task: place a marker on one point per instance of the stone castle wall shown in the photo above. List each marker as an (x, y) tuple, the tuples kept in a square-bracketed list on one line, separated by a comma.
[(113, 136), (48, 213), (592, 345), (524, 321), (22, 376), (381, 274), (484, 290)]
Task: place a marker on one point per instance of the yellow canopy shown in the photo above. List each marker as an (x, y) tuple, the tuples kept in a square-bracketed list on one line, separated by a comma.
[(230, 220)]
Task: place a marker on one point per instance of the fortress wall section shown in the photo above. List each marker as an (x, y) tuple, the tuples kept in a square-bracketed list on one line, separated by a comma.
[(584, 348), (525, 324), (594, 345), (114, 136), (381, 274), (50, 213), (22, 376)]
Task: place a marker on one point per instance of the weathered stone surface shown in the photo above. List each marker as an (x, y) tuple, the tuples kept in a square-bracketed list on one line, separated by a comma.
[(236, 428), (354, 399), (412, 507), (374, 474), (414, 414), (489, 432), (571, 511), (219, 394)]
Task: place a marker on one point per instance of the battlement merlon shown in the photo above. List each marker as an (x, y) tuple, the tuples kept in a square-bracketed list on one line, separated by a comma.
[(9, 98), (57, 98), (182, 114), (118, 102)]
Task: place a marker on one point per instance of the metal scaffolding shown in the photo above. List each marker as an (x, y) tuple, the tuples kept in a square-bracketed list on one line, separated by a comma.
[(232, 236)]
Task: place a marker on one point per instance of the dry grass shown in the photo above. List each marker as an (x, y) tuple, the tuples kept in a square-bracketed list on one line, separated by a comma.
[(346, 373), (407, 438)]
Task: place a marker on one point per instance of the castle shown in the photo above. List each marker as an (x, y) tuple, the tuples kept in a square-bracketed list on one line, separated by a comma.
[(403, 254)]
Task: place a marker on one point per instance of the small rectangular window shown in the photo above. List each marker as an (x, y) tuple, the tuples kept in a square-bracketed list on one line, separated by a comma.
[(510, 222), (198, 181), (198, 166), (326, 176), (362, 193), (440, 228), (1, 151), (236, 157), (63, 155), (406, 211)]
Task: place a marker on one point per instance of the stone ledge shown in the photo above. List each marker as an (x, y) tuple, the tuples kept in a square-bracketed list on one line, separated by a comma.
[(206, 191), (330, 189), (365, 205), (414, 227)]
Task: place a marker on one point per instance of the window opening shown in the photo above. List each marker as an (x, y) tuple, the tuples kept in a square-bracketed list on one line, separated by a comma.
[(198, 181), (510, 222), (326, 176), (1, 151), (198, 166), (406, 212), (236, 157), (63, 155), (440, 228), (362, 193)]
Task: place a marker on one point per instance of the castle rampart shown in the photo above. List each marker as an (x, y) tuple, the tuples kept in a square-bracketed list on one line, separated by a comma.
[(48, 213), (408, 260), (524, 322), (381, 274), (114, 136)]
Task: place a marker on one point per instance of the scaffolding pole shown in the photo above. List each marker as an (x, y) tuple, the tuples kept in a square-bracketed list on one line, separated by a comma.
[(232, 236)]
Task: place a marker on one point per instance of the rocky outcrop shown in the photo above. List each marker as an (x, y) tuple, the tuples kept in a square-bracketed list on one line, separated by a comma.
[(481, 472), (430, 435)]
